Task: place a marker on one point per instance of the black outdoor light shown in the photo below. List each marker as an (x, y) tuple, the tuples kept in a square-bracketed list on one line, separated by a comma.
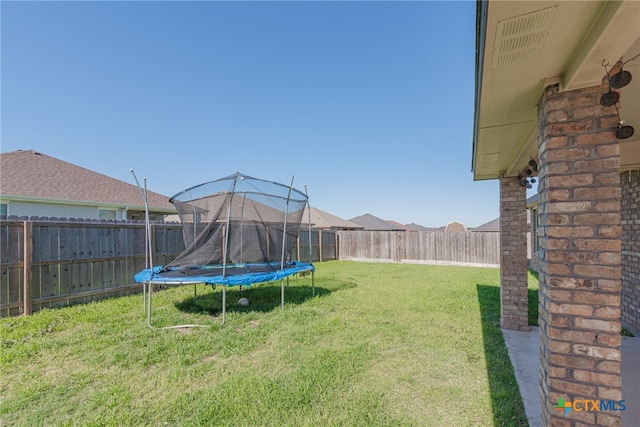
[(620, 79), (624, 131), (528, 183), (611, 97), (524, 178)]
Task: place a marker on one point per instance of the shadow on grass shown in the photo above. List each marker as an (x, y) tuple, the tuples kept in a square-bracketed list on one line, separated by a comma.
[(508, 408), (264, 297)]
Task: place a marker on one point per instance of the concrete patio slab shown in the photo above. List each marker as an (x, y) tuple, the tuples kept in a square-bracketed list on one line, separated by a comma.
[(523, 352)]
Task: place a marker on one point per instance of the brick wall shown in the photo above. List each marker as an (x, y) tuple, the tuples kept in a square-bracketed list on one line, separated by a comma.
[(580, 256), (630, 183), (513, 255)]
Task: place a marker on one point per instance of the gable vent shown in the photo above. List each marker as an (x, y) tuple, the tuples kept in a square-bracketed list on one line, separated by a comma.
[(520, 39)]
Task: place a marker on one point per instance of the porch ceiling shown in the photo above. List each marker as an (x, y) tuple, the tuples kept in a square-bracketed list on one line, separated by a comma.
[(525, 46)]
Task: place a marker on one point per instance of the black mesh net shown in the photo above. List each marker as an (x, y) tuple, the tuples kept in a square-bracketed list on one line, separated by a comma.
[(238, 220)]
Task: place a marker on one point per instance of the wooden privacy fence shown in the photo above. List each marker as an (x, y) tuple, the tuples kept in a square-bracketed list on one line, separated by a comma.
[(56, 262), (435, 247), (53, 262)]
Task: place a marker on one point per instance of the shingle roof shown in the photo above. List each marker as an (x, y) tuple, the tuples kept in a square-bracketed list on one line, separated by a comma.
[(493, 225), (397, 224), (28, 173), (417, 227), (324, 220), (370, 222)]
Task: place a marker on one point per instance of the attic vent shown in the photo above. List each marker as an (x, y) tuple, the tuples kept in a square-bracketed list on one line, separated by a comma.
[(520, 39)]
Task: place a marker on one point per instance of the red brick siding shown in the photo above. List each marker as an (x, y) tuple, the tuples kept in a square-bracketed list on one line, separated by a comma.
[(630, 182), (514, 298), (580, 254)]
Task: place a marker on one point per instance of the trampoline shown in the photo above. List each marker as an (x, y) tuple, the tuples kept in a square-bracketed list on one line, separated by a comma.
[(237, 231)]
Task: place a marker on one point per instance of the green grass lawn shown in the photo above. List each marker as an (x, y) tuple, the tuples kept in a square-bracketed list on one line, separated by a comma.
[(378, 345)]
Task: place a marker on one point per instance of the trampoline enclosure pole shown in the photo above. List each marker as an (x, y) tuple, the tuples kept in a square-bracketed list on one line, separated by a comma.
[(284, 228), (284, 241), (309, 211), (148, 260), (226, 235), (147, 223), (313, 286), (244, 199), (225, 249)]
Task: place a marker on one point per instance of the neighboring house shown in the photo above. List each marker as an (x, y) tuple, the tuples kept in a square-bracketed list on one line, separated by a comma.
[(414, 226), (372, 223), (552, 101), (532, 242), (418, 227), (34, 184), (321, 220), (493, 225), (397, 224), (455, 227)]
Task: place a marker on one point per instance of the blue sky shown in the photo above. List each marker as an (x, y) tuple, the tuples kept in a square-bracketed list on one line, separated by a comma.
[(370, 104)]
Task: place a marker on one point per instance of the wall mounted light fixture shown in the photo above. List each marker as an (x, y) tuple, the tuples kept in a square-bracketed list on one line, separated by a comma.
[(619, 80), (524, 178)]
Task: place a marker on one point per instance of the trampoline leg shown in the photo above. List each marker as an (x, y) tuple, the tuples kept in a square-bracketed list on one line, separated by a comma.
[(224, 303), (313, 284), (149, 295), (149, 304), (282, 295)]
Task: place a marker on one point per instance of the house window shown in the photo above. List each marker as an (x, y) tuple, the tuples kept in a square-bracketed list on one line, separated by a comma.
[(4, 208), (106, 214), (141, 217)]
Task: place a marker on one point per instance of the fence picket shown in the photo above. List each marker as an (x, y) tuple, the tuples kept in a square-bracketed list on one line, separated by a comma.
[(420, 246)]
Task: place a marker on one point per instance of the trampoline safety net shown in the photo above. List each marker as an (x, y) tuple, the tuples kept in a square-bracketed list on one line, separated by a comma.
[(236, 225)]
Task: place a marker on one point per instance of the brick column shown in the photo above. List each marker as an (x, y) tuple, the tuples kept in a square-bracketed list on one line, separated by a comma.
[(631, 251), (579, 311), (514, 298)]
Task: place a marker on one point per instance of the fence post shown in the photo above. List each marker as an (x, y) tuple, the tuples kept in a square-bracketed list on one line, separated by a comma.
[(27, 306), (320, 245)]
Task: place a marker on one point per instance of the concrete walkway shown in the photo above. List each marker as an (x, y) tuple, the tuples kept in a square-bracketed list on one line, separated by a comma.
[(523, 352)]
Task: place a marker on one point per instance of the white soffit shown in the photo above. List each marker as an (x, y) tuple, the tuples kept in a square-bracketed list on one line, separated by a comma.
[(521, 38), (613, 32)]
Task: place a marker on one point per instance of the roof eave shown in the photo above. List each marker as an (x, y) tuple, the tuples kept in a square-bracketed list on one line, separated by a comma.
[(13, 197), (481, 29)]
